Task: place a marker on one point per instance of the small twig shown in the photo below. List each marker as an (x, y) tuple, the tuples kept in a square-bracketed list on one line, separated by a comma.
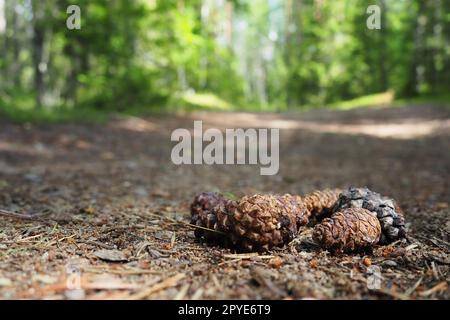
[(16, 215), (414, 287), (262, 279), (142, 248), (395, 242), (56, 241), (182, 293), (198, 294), (121, 272), (169, 282), (30, 238), (392, 294), (184, 223), (435, 273), (440, 240), (216, 281), (97, 243), (172, 240), (229, 261), (441, 286), (21, 216), (411, 246), (240, 255)]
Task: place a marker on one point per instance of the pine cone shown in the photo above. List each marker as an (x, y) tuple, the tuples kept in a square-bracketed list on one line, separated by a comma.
[(204, 215), (320, 203), (349, 230), (260, 222), (388, 213)]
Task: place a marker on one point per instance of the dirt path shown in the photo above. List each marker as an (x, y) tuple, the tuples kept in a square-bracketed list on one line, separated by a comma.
[(93, 187)]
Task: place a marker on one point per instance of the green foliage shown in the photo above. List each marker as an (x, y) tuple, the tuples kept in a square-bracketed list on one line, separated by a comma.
[(153, 55), (51, 115)]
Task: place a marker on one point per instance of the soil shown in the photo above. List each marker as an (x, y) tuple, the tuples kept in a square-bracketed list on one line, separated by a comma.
[(99, 211)]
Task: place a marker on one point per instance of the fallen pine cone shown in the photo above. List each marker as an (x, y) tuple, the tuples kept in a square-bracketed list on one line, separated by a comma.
[(389, 214), (255, 223), (260, 222), (355, 219), (204, 215), (349, 230), (320, 203)]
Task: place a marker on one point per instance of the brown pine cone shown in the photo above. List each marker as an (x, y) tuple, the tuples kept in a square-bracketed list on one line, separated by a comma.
[(320, 203), (349, 230), (388, 212), (204, 215), (260, 222)]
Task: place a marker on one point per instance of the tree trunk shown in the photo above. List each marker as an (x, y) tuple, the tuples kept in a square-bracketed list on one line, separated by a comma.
[(181, 69), (228, 30), (37, 52), (384, 79), (414, 75), (293, 39), (3, 32), (204, 15)]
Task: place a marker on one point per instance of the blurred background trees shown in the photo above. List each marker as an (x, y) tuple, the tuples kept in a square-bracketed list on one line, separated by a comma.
[(258, 54)]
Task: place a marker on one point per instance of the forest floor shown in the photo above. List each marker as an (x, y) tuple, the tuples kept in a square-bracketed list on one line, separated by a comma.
[(105, 211)]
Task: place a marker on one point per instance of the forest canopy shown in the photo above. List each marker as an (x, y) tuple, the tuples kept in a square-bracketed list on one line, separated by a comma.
[(259, 55)]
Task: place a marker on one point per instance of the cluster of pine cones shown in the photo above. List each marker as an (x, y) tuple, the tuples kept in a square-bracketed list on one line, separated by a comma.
[(347, 220)]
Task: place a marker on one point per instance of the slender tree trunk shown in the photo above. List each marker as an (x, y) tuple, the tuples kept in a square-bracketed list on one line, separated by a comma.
[(436, 30), (228, 23), (293, 39), (181, 69), (384, 80), (2, 17), (3, 33), (37, 52), (71, 83), (446, 31), (16, 65), (414, 73), (288, 50), (204, 15)]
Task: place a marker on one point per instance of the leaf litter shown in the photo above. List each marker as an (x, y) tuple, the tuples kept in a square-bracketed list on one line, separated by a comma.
[(76, 212)]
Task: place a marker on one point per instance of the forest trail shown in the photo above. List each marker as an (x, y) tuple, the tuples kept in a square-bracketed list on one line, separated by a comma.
[(92, 188)]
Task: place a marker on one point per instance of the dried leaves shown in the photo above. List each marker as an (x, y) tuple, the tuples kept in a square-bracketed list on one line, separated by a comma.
[(355, 219)]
